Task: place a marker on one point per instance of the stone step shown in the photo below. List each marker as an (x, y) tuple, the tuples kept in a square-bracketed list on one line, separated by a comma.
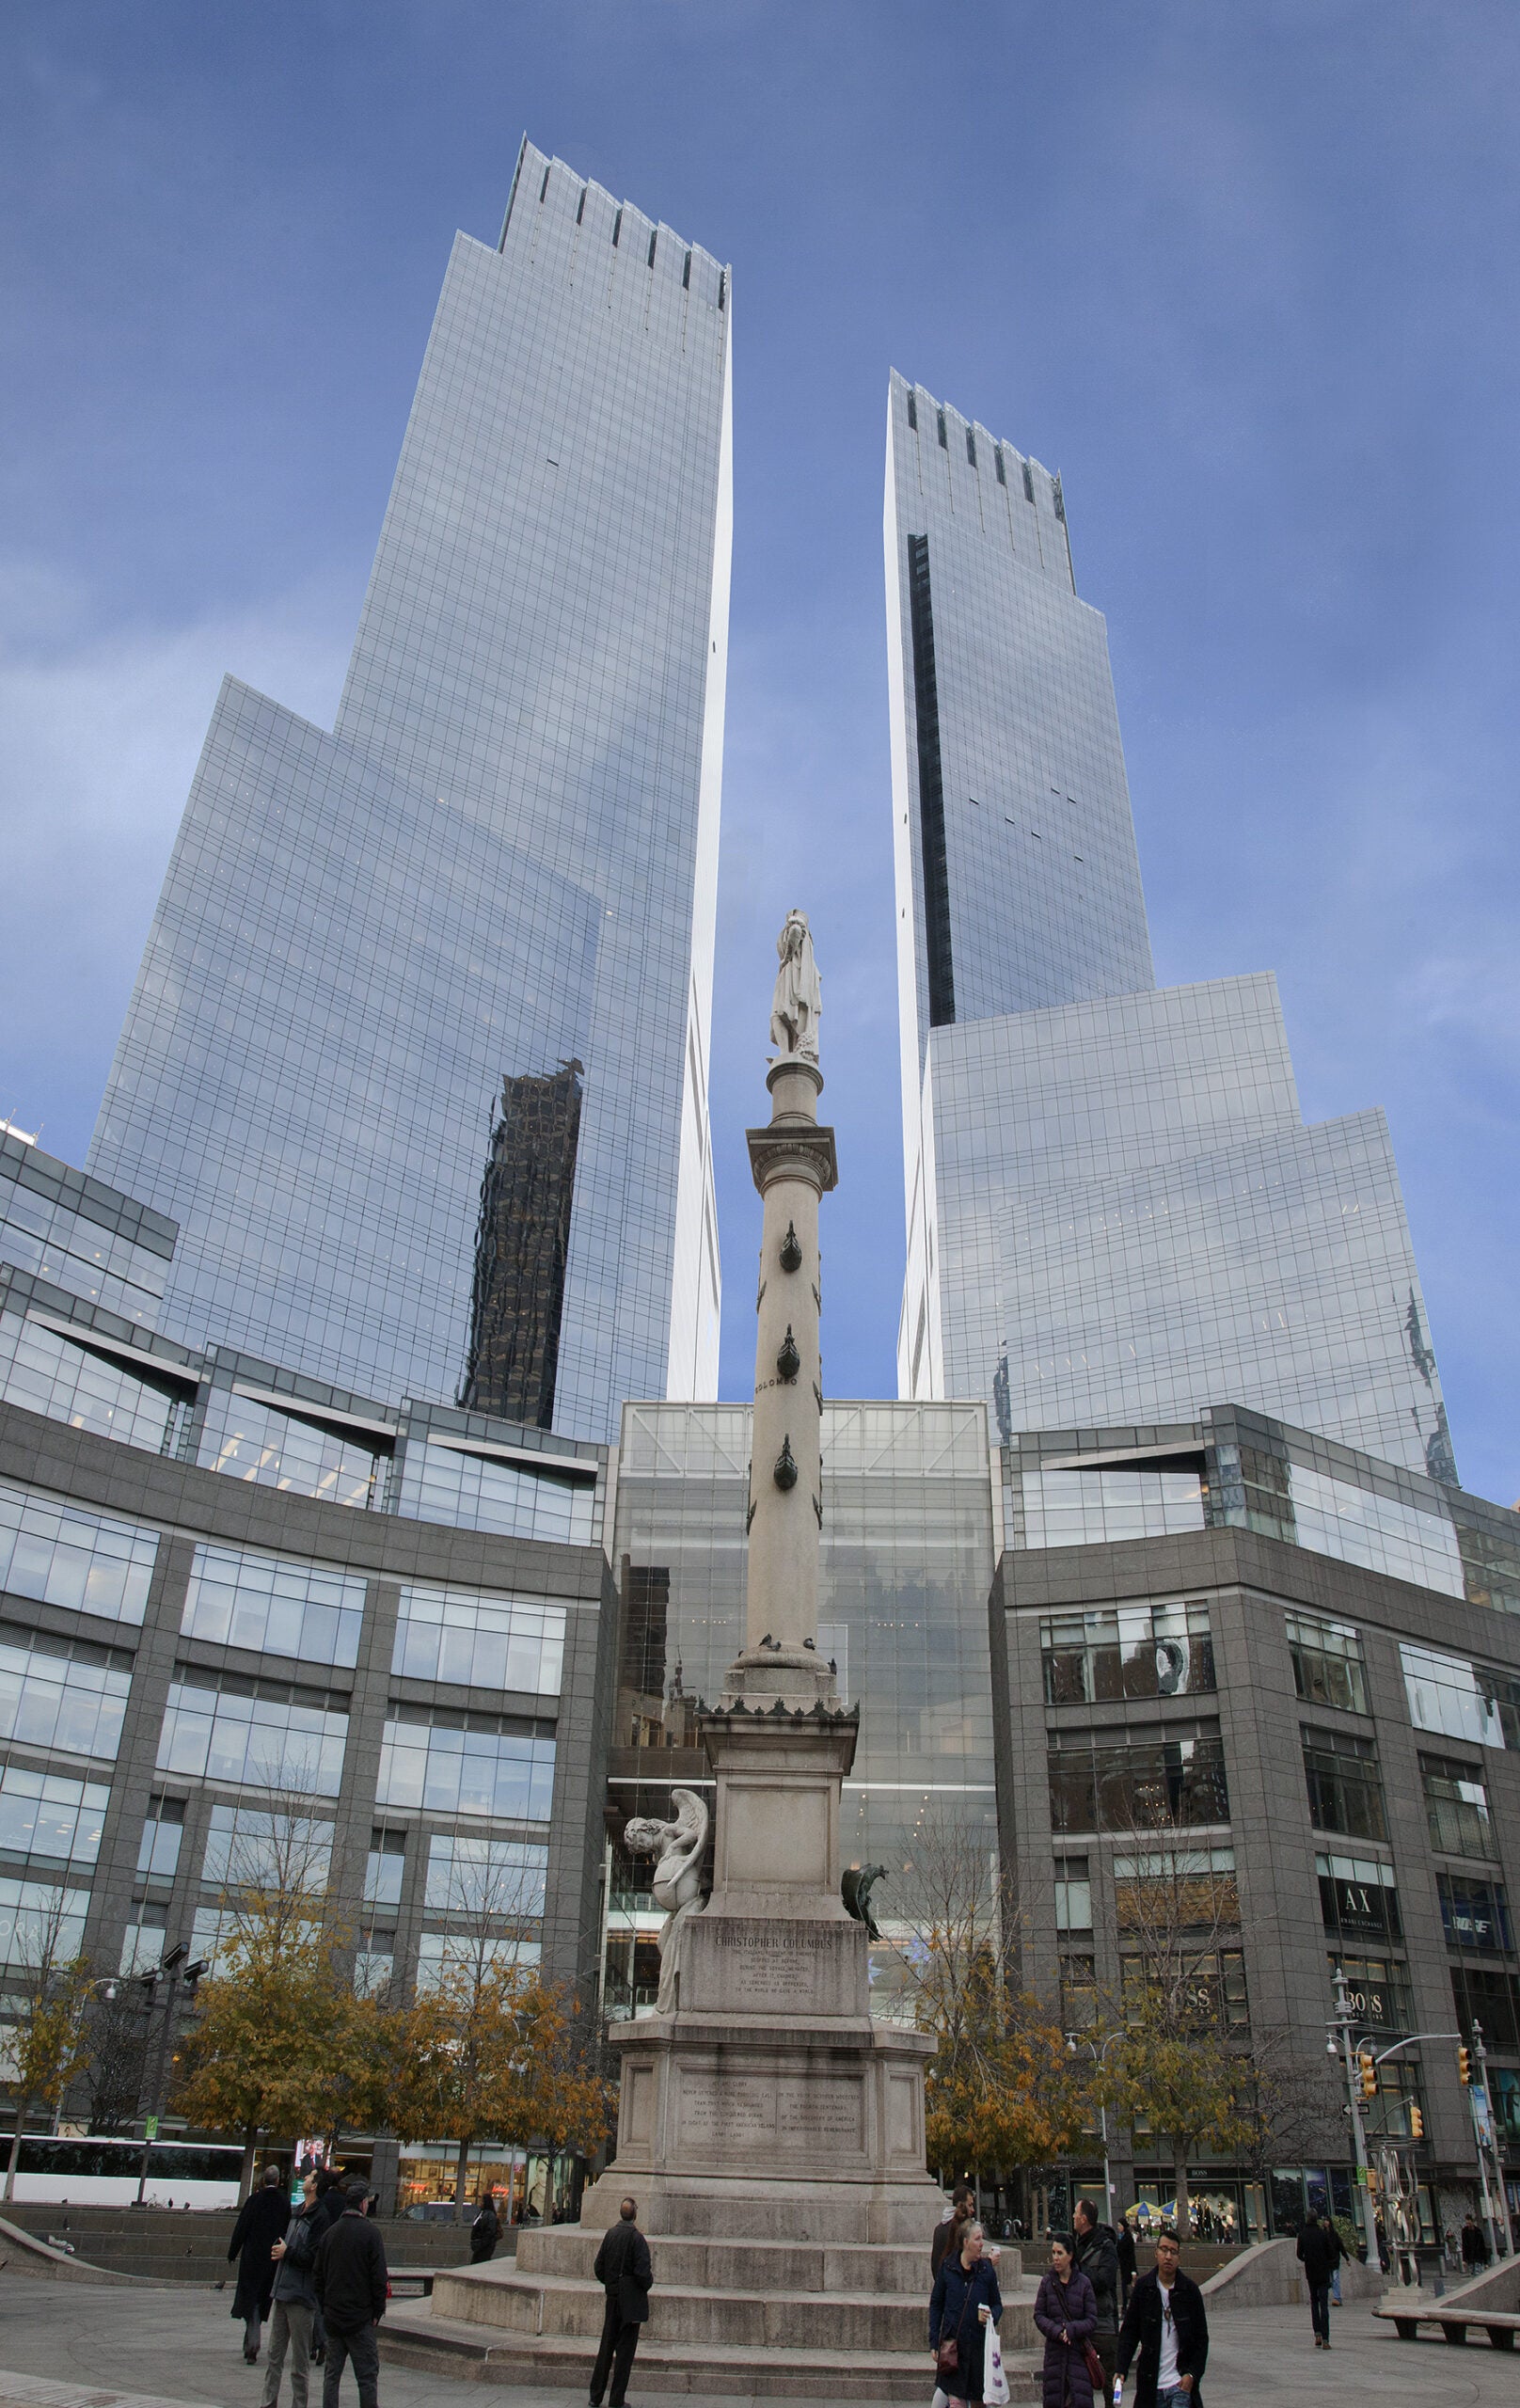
[(442, 2347), (749, 2265), (728, 2316)]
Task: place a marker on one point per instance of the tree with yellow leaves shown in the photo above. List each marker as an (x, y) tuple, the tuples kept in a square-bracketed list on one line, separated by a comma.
[(48, 2038), (1001, 2091)]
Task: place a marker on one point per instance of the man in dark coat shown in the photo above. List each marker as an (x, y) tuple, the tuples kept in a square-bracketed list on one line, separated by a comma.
[(1473, 2245), (1124, 2242), (484, 2232), (1166, 2323), (1320, 2252), (1097, 2255), (622, 2268), (331, 2201), (261, 2221), (351, 2291)]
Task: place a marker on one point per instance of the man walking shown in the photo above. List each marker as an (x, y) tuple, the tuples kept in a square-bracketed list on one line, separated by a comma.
[(1124, 2242), (1319, 2253), (351, 2292), (485, 2231), (295, 2301), (1097, 2255), (1166, 2323), (262, 2219), (622, 2268), (1473, 2245)]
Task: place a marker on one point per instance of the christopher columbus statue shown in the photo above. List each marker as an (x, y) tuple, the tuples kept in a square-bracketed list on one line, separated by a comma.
[(798, 1000)]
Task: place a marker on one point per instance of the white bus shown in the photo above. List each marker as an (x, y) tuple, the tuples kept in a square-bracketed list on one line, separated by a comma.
[(104, 2173)]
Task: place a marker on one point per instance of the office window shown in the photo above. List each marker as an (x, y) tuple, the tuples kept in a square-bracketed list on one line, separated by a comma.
[(1216, 1988), (1176, 1890), (1344, 1785), (1079, 1990), (474, 1766), (1488, 1998), (1461, 1699), (383, 1868), (478, 1493), (248, 1440), (1456, 1807), (62, 1693), (248, 1847), (441, 1953), (40, 1921), (1475, 1913), (1358, 1901), (1329, 1668), (912, 413), (480, 1642), (1378, 1992), (1143, 1781), (163, 1833), (1073, 1894), (46, 1372), (47, 1818), (64, 1556), (1099, 1506), (467, 1875), (1127, 1652), (261, 1736), (275, 1606)]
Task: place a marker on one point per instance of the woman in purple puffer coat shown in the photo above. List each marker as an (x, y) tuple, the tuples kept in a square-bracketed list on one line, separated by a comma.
[(1065, 2311)]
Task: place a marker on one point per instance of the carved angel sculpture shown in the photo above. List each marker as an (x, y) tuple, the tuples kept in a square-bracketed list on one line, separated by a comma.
[(678, 1847)]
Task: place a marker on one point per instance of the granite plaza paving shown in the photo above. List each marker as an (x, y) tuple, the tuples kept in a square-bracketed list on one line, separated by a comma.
[(67, 2345)]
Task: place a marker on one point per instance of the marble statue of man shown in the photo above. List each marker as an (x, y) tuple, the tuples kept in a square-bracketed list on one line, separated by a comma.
[(798, 1000)]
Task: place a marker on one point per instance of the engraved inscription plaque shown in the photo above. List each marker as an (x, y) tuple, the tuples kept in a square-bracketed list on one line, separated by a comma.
[(726, 2110), (827, 2107)]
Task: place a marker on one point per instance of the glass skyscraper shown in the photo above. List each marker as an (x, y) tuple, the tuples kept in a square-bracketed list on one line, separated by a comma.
[(452, 962), (1116, 1214)]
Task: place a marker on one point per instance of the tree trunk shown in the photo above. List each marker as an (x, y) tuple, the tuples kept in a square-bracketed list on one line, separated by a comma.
[(1184, 2209), (461, 2178), (15, 2151), (250, 2150)]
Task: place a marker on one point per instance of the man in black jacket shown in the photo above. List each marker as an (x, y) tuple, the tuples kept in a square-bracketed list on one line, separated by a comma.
[(261, 2220), (622, 2268), (1096, 2253), (351, 2290), (1166, 2321), (1320, 2252)]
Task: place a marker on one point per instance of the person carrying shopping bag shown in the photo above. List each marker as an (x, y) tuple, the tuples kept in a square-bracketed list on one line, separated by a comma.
[(966, 2301), (1066, 2312)]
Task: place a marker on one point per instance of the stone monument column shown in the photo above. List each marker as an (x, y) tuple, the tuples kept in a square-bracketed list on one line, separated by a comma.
[(761, 2098)]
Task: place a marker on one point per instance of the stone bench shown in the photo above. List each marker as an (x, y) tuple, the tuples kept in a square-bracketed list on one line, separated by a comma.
[(1498, 2324)]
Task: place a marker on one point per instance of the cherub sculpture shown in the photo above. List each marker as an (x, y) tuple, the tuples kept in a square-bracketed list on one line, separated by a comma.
[(678, 1847)]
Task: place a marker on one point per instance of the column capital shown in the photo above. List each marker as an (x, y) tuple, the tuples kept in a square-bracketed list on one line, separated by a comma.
[(797, 1150)]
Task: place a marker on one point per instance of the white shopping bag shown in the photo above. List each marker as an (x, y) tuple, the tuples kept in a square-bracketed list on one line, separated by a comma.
[(995, 2387)]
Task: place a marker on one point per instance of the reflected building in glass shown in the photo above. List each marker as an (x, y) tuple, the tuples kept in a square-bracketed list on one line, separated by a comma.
[(1116, 1212), (376, 949)]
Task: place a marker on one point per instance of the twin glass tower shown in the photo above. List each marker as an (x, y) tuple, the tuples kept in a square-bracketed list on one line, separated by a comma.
[(417, 1054)]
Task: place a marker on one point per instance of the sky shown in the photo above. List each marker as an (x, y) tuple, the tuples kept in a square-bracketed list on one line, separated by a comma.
[(1246, 276)]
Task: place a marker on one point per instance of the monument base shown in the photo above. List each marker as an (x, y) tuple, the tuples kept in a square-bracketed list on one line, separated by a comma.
[(771, 2132)]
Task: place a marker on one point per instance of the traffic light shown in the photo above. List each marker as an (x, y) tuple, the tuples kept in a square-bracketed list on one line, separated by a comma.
[(1465, 2064), (1416, 2123), (1368, 2065)]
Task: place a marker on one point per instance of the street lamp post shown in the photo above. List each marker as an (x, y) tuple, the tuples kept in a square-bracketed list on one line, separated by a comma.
[(1339, 2044), (162, 1971), (1483, 2134), (1098, 2055)]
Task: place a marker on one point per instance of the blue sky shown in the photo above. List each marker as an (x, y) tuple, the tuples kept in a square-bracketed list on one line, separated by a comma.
[(1246, 276)]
